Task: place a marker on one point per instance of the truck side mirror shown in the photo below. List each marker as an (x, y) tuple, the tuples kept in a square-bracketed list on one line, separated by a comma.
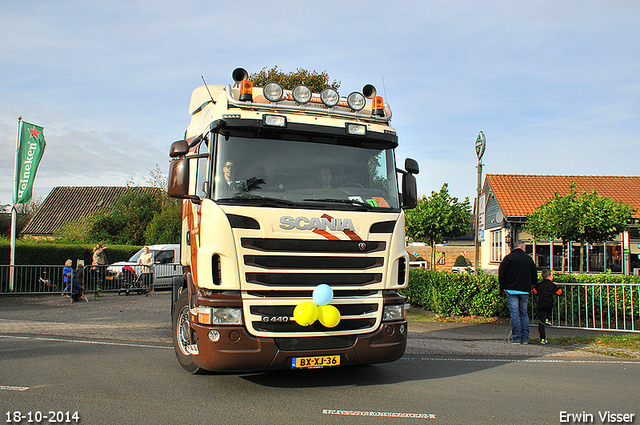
[(178, 184), (409, 192), (179, 148), (411, 165), (409, 185)]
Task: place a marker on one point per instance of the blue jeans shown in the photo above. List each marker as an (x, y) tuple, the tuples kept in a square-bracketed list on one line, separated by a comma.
[(519, 317)]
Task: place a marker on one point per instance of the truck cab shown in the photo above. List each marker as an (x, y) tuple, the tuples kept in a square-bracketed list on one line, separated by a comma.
[(288, 194)]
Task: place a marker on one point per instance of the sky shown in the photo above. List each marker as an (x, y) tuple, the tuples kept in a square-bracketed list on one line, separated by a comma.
[(553, 85)]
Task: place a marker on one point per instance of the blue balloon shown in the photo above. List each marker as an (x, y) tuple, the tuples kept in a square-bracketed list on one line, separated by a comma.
[(323, 294)]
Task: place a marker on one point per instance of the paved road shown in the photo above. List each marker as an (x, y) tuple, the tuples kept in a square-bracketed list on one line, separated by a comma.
[(111, 361)]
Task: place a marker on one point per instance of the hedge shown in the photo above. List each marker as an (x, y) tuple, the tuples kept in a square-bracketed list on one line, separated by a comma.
[(454, 294), (47, 253)]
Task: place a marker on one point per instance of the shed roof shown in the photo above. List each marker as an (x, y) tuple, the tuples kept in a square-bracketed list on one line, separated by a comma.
[(65, 204)]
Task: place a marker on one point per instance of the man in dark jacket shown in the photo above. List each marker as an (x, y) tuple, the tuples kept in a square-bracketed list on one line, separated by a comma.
[(516, 274)]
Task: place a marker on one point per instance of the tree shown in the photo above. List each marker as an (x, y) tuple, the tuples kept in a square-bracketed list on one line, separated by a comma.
[(600, 219), (586, 217), (126, 222), (312, 79), (437, 218), (555, 220), (166, 225)]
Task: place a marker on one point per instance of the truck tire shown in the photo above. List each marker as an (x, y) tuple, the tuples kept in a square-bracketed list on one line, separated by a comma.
[(182, 334)]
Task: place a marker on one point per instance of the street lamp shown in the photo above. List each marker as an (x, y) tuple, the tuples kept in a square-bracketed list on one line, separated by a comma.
[(480, 146)]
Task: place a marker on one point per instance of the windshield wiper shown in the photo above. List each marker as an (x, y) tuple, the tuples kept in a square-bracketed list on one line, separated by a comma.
[(341, 201), (265, 199)]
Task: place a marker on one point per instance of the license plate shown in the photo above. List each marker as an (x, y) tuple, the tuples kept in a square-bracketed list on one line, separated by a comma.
[(314, 362)]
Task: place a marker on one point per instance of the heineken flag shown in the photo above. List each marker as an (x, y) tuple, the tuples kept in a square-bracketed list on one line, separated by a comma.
[(30, 148)]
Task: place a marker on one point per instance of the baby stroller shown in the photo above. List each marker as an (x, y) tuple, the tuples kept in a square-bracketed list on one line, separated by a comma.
[(131, 282)]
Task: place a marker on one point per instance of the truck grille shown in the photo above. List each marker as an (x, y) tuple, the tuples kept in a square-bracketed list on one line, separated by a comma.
[(276, 281)]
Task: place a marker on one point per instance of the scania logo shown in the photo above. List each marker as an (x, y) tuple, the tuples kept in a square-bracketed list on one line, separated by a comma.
[(320, 223)]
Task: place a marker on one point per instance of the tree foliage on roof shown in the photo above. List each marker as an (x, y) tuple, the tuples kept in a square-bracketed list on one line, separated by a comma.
[(585, 217), (316, 81)]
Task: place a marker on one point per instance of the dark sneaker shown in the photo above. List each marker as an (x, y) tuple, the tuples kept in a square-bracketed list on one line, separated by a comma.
[(524, 342), (513, 341)]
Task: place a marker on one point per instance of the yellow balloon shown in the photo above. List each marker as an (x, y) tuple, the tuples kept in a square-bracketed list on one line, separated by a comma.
[(328, 315), (305, 313)]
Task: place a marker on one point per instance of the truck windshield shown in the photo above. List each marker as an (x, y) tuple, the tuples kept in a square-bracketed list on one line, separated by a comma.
[(279, 173)]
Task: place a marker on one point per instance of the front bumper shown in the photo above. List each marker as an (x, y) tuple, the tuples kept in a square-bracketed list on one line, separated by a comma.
[(236, 350)]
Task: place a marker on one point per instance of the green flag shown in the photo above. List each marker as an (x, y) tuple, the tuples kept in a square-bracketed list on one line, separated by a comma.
[(31, 146)]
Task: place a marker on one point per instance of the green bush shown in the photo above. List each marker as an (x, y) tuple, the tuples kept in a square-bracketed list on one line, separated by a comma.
[(46, 253), (460, 261), (453, 294)]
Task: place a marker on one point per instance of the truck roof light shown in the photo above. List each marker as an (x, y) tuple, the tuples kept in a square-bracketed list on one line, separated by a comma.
[(356, 101), (301, 94), (329, 97), (356, 129), (378, 106), (246, 91), (275, 120), (273, 92)]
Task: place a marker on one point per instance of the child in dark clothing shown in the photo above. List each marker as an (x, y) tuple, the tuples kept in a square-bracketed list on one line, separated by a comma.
[(545, 291)]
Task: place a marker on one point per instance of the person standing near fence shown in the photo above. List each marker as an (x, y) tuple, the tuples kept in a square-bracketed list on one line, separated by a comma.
[(67, 276), (545, 291), (99, 262), (146, 260), (516, 274)]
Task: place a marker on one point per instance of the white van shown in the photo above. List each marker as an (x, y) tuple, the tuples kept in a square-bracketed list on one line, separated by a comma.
[(166, 260)]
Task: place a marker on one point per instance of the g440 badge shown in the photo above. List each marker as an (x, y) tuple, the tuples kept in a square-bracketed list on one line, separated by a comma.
[(275, 319)]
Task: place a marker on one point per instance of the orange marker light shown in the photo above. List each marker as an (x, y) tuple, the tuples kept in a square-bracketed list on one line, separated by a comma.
[(246, 91), (377, 107)]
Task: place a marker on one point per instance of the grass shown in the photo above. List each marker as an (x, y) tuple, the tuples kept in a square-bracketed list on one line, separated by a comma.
[(623, 346)]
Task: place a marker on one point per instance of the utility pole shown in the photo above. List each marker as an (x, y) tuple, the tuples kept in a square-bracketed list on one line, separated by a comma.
[(481, 144)]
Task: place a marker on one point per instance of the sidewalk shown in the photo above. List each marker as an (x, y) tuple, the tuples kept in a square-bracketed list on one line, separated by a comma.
[(112, 316), (147, 319)]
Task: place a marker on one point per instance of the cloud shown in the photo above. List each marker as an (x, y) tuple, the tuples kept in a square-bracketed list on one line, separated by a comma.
[(552, 84)]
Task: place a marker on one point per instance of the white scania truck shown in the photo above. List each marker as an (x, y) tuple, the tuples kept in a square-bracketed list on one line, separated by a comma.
[(293, 238)]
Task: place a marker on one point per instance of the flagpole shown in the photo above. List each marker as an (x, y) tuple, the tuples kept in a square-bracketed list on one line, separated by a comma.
[(14, 212)]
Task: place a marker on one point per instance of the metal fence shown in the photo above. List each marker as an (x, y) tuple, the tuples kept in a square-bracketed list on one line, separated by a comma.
[(593, 306), (597, 306), (49, 279)]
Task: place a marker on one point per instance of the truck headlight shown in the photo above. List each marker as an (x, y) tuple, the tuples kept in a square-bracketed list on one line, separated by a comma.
[(393, 312), (219, 315)]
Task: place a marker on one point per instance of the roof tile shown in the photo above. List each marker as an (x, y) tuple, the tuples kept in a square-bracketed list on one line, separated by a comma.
[(65, 204), (519, 195)]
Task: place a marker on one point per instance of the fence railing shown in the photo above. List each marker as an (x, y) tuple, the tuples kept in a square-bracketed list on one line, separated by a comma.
[(598, 306), (49, 279)]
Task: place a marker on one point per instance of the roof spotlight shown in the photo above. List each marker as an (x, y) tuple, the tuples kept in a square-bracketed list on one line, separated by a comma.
[(273, 92), (356, 101), (301, 94), (329, 97)]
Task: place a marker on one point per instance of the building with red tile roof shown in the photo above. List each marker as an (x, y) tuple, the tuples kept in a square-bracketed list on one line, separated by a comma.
[(510, 197)]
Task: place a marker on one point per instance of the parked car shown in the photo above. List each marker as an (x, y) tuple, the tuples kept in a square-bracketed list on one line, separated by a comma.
[(166, 259)]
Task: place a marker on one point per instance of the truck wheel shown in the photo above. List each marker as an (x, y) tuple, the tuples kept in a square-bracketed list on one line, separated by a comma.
[(182, 334)]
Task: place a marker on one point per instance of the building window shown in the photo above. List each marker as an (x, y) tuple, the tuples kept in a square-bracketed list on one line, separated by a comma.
[(496, 246)]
